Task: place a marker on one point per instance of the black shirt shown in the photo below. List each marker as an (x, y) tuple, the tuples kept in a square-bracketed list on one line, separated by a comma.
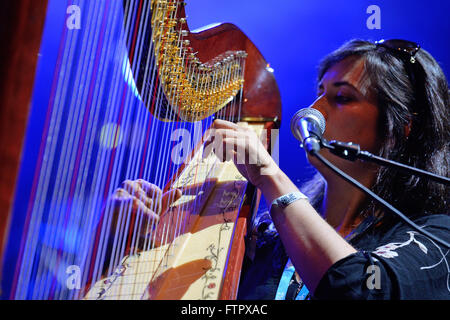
[(391, 263)]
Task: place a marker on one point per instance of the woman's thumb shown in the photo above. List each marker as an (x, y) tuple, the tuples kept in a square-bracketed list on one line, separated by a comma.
[(170, 197)]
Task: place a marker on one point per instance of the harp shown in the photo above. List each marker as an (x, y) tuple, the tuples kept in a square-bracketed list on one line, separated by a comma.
[(97, 92)]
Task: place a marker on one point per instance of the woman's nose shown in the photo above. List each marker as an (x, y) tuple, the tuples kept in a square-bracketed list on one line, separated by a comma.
[(321, 104)]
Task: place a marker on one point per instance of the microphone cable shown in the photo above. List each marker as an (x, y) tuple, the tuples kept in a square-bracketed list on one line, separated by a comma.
[(378, 199)]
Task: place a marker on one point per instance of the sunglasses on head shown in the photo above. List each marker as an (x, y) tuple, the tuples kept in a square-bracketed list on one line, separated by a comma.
[(403, 47)]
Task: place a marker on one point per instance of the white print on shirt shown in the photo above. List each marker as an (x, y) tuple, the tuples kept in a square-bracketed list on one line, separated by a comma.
[(388, 251)]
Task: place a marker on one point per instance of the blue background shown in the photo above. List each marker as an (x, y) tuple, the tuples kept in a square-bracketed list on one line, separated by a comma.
[(294, 35)]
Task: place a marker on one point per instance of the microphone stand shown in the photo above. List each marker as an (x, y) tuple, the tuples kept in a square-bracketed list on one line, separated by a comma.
[(352, 152)]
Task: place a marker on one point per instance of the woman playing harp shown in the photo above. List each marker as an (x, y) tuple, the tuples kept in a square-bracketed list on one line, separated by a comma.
[(355, 249)]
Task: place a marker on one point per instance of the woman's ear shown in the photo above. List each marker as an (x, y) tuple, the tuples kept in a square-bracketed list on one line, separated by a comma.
[(407, 128)]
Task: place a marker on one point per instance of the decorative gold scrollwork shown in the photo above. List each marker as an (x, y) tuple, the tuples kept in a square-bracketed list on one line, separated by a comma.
[(194, 90)]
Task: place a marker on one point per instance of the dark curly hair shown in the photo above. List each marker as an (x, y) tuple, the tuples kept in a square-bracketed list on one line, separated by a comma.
[(422, 103)]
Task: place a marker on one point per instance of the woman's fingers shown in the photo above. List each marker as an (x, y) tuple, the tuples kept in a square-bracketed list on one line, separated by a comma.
[(152, 190), (123, 197), (141, 201), (169, 198), (147, 213), (138, 196), (243, 147), (241, 144), (142, 192), (146, 197), (223, 124)]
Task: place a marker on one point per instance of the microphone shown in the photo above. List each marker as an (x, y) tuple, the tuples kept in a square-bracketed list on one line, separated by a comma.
[(307, 126)]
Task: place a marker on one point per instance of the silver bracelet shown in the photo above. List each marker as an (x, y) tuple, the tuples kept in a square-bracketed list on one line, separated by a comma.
[(285, 200)]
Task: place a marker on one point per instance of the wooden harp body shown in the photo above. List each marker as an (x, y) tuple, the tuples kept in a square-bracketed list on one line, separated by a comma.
[(114, 91)]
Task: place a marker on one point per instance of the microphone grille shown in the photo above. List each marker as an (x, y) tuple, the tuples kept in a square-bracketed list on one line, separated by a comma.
[(310, 113)]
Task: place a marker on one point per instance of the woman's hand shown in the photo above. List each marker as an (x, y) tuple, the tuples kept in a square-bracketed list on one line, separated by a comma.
[(134, 199), (144, 198), (247, 151)]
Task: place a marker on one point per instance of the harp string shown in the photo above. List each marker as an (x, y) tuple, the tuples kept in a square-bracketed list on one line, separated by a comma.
[(115, 131), (89, 98), (103, 124), (64, 183), (40, 200), (120, 254), (170, 130), (143, 163), (35, 211), (122, 215), (133, 229), (104, 157), (108, 131), (116, 122), (99, 130), (164, 173)]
